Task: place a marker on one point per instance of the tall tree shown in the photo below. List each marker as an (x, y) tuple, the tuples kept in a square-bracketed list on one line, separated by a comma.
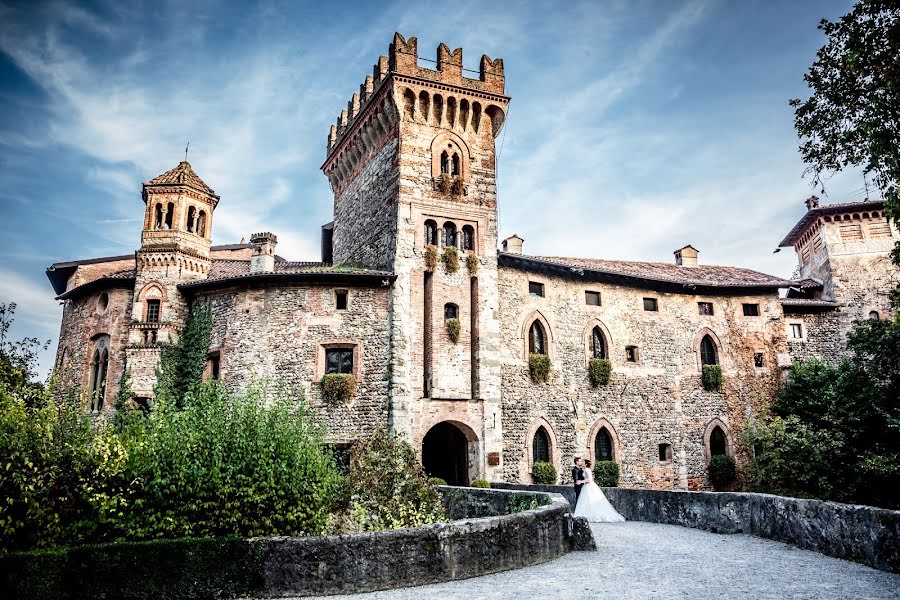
[(852, 117)]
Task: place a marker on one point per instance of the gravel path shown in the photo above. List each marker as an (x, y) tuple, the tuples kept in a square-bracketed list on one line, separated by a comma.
[(646, 560)]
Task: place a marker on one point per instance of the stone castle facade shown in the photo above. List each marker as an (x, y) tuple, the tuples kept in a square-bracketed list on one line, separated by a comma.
[(438, 328)]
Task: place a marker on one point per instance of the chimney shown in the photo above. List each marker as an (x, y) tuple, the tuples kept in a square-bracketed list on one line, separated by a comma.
[(687, 256), (812, 202), (513, 244), (263, 259)]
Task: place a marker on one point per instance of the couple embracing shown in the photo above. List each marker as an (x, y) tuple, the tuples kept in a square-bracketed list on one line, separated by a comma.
[(589, 499)]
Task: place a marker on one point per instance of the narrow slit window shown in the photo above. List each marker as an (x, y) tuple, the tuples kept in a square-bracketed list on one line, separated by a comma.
[(758, 360), (631, 354), (665, 452)]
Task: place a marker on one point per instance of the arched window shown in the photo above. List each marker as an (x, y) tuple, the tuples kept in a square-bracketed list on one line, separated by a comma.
[(431, 233), (874, 315), (445, 163), (540, 446), (598, 343), (536, 339), (454, 165), (98, 372), (468, 238), (603, 447), (169, 215), (718, 444), (201, 224), (158, 217), (708, 351), (191, 216), (449, 234), (451, 311)]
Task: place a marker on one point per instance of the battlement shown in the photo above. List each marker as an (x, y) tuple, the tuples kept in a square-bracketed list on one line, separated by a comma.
[(402, 59)]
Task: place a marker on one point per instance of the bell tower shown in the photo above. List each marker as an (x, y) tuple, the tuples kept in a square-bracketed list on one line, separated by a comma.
[(175, 245), (412, 164)]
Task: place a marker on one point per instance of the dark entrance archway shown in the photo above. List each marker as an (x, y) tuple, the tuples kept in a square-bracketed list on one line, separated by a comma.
[(445, 453)]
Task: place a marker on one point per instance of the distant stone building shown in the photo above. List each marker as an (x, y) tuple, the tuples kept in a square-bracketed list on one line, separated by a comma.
[(414, 300)]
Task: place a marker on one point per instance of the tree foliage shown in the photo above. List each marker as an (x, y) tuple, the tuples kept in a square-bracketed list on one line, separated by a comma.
[(852, 117), (19, 358), (181, 364)]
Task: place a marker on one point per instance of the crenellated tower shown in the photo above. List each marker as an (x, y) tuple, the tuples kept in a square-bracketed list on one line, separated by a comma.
[(412, 164), (175, 244)]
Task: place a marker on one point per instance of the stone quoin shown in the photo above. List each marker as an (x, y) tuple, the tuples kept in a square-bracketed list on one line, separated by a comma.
[(441, 330)]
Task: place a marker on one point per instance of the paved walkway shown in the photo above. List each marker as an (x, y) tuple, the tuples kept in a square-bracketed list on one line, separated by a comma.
[(646, 560)]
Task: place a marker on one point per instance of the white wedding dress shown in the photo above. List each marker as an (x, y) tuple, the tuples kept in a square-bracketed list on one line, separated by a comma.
[(593, 505)]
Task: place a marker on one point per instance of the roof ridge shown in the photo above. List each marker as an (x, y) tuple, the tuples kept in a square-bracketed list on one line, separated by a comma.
[(182, 174)]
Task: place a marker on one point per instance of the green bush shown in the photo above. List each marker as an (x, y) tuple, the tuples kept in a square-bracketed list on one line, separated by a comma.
[(722, 471), (539, 368), (451, 259), (599, 370), (388, 488), (712, 378), (472, 263), (453, 330), (437, 481), (481, 483), (431, 257), (544, 473), (181, 364), (606, 473), (338, 388)]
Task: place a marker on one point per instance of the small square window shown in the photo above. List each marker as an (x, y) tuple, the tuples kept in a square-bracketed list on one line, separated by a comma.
[(650, 304), (339, 360), (631, 354), (592, 298), (751, 310), (797, 331), (758, 360), (665, 452), (705, 308), (340, 299), (535, 289)]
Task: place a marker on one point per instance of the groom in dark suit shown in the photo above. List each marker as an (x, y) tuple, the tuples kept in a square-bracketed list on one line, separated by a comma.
[(578, 476)]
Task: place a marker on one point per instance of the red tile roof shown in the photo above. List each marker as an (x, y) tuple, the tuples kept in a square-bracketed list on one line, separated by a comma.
[(183, 174), (827, 209), (702, 275)]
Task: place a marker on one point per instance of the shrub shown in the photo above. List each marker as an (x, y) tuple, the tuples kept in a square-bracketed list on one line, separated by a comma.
[(445, 184), (481, 483), (539, 367), (606, 473), (453, 329), (457, 188), (472, 263), (451, 259), (543, 472), (599, 370), (338, 388), (437, 481), (712, 378), (388, 488), (431, 257), (722, 471)]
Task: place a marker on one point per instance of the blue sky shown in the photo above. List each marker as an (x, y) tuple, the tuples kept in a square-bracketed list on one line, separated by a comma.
[(634, 128)]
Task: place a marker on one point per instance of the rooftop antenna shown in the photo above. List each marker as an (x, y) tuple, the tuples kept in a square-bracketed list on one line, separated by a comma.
[(866, 185), (186, 150)]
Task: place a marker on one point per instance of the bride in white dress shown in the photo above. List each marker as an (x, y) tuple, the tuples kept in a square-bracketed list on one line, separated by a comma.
[(592, 504)]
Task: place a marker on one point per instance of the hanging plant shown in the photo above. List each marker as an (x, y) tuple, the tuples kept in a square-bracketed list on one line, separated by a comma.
[(472, 263), (451, 259), (445, 184), (599, 370), (431, 257), (712, 378), (539, 368), (453, 330), (457, 187), (338, 388)]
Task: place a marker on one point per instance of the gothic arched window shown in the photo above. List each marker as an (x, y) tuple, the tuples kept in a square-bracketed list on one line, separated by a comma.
[(540, 446), (445, 163), (718, 443), (708, 351), (603, 448), (536, 339), (454, 165), (468, 238), (449, 234), (598, 343), (98, 372), (431, 233)]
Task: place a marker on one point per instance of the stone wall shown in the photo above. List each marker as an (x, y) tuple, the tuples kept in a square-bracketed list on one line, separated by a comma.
[(824, 335), (659, 399), (83, 321), (279, 334)]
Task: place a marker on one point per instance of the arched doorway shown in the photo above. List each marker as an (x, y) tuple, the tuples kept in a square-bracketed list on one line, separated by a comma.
[(445, 453)]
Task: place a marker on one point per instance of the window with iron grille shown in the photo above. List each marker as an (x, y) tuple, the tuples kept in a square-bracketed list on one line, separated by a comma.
[(603, 445), (540, 446), (153, 311), (339, 360)]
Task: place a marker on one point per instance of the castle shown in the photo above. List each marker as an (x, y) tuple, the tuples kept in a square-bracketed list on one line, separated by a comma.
[(444, 335)]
